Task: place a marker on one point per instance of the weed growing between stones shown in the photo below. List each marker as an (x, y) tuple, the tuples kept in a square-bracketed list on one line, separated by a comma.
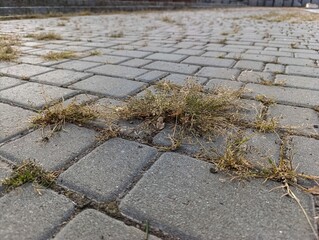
[(167, 19), (264, 124), (58, 115), (8, 51), (197, 111), (29, 172), (293, 17), (235, 163), (45, 36), (265, 100), (117, 35), (95, 53), (56, 56)]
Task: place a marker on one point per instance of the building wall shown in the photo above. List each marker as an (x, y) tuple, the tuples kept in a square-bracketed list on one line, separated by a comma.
[(14, 7)]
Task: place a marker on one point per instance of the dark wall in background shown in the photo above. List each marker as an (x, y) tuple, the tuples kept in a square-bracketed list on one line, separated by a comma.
[(17, 7)]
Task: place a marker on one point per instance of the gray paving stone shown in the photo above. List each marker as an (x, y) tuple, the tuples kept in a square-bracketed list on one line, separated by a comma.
[(116, 87), (275, 68), (262, 147), (31, 59), (115, 162), (76, 65), (307, 55), (190, 145), (301, 70), (35, 95), (214, 54), (7, 82), (270, 53), (106, 59), (136, 62), (224, 73), (229, 49), (24, 70), (13, 120), (47, 211), (61, 77), (118, 71), (255, 77), (228, 84), (54, 154), (158, 49), (192, 52), (81, 99), (250, 109), (131, 53), (258, 57), (209, 61), (181, 79), (91, 224), (7, 64), (301, 120), (184, 186), (172, 67), (291, 96), (5, 172), (297, 81), (305, 154), (152, 76), (249, 65), (296, 61), (170, 57)]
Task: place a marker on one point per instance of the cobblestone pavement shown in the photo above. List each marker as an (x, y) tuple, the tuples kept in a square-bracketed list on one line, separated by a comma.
[(114, 189)]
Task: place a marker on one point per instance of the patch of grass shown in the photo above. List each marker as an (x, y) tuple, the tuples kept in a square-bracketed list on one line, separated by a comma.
[(95, 53), (55, 56), (61, 24), (190, 106), (117, 35), (234, 161), (45, 36), (266, 82), (222, 41), (264, 124), (29, 172), (8, 50), (291, 16), (265, 100), (167, 19), (59, 114)]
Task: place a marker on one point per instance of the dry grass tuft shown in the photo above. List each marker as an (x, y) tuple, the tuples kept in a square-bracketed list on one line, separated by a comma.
[(234, 162), (265, 100), (8, 52), (294, 17), (264, 124), (60, 114), (234, 159), (95, 53), (27, 172), (117, 35), (56, 56), (196, 110), (45, 36), (168, 19)]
